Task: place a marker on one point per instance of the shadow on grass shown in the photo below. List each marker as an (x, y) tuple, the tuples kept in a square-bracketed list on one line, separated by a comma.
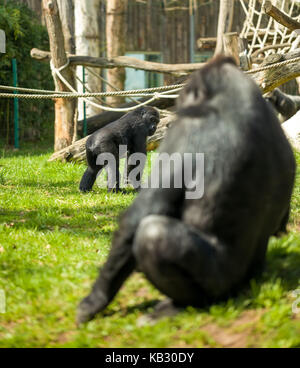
[(27, 150), (68, 187), (64, 218), (145, 306), (284, 264)]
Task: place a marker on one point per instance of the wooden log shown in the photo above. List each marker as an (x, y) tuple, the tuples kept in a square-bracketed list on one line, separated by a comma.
[(122, 61), (76, 151), (281, 17), (210, 42), (100, 120), (206, 43), (272, 78)]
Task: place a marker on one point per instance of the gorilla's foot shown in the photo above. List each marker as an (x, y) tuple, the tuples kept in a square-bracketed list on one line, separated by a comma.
[(165, 308)]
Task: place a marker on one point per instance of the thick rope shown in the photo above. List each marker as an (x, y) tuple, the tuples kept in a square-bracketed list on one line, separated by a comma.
[(275, 65), (96, 94), (69, 95), (156, 96), (22, 89), (131, 93)]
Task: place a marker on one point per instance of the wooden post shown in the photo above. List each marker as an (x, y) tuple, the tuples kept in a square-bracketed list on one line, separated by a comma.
[(231, 45), (224, 23), (65, 109)]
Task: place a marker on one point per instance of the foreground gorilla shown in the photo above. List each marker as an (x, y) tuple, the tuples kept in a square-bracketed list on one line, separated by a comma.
[(199, 250), (130, 130)]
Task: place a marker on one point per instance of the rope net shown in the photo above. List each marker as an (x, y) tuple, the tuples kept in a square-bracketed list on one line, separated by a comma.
[(264, 32)]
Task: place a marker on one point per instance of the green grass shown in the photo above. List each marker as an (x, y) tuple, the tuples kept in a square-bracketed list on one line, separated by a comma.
[(53, 240)]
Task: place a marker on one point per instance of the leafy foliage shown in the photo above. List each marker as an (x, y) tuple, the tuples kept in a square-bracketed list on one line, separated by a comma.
[(23, 32)]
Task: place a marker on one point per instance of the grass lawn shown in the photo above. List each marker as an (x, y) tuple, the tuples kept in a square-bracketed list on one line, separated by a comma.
[(53, 240)]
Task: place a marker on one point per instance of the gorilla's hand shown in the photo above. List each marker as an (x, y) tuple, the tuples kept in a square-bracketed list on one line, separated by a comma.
[(90, 306)]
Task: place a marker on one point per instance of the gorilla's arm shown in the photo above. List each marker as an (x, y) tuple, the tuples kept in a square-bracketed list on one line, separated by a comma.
[(118, 267), (121, 262)]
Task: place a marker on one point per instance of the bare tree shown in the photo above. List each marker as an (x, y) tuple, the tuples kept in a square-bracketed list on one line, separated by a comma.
[(116, 44), (66, 12), (224, 23), (65, 109), (87, 40)]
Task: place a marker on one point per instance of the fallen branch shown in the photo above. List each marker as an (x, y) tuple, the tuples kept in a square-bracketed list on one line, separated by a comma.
[(98, 121), (274, 77), (122, 61)]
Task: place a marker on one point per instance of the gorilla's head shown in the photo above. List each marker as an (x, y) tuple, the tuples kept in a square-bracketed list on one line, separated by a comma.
[(209, 87), (206, 82), (150, 117)]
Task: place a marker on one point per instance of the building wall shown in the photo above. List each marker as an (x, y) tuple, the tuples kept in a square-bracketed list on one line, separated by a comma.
[(154, 28)]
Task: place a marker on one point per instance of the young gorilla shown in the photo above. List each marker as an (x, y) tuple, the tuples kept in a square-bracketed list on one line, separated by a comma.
[(199, 250), (130, 130)]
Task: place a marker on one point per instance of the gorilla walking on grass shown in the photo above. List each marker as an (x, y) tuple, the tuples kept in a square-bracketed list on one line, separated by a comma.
[(130, 130), (197, 251)]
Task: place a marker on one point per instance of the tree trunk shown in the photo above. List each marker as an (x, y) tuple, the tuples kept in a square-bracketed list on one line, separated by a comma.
[(66, 12), (115, 40), (65, 109), (224, 23), (87, 41)]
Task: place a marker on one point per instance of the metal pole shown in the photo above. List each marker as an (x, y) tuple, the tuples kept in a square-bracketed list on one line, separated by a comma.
[(84, 105), (192, 32), (16, 104), (192, 39)]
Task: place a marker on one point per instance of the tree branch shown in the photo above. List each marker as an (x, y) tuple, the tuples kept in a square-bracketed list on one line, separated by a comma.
[(122, 61), (280, 17)]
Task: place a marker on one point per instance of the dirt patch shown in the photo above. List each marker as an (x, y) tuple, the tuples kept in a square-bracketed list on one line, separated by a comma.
[(240, 334), (66, 337)]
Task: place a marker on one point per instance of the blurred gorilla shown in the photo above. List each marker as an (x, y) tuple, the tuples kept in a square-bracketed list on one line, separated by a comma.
[(197, 251), (130, 130), (286, 105)]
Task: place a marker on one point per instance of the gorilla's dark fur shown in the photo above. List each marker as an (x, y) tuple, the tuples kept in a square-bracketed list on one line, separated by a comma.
[(131, 130), (286, 105), (200, 250)]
